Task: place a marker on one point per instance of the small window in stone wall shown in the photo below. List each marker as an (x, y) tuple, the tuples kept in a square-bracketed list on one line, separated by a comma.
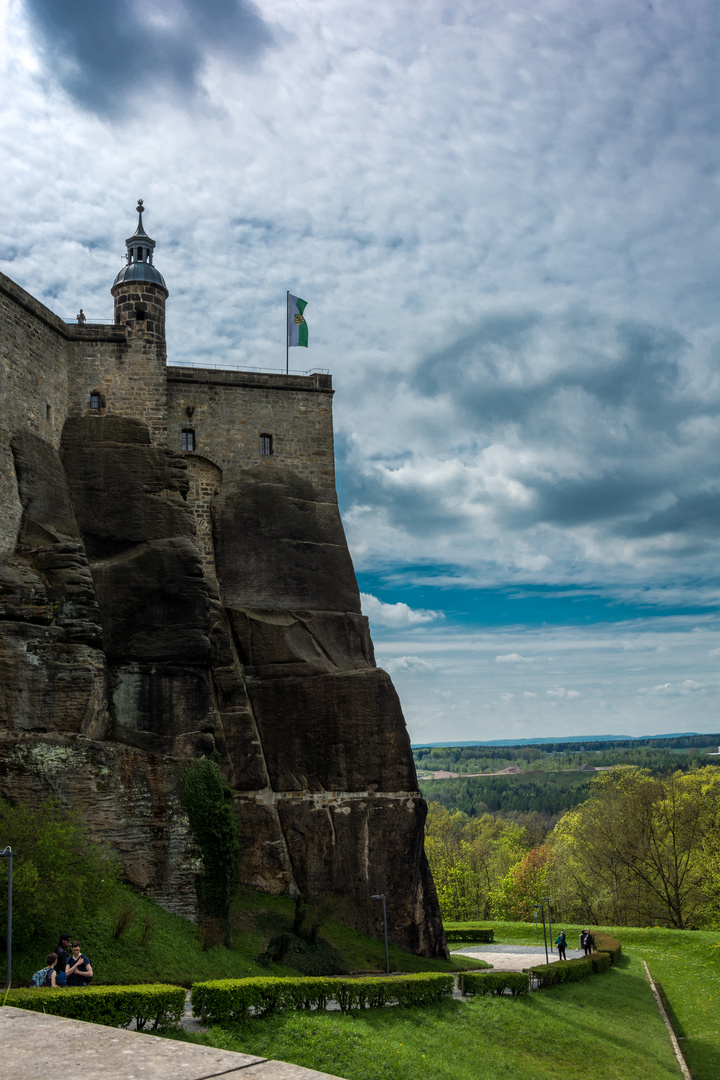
[(48, 413), (187, 439), (97, 401), (266, 444)]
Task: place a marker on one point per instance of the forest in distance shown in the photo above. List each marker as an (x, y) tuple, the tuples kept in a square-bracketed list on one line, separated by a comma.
[(632, 844), (552, 777)]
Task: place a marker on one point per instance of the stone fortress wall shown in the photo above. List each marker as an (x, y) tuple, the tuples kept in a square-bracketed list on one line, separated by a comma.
[(158, 603)]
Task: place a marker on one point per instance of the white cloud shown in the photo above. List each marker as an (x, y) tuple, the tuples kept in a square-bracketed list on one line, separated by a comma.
[(382, 614), (408, 663), (514, 658)]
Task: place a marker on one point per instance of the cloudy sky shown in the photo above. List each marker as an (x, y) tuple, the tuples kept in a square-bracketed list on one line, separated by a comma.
[(503, 216)]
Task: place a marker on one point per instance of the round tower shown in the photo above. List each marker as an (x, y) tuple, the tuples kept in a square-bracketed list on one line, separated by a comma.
[(139, 290)]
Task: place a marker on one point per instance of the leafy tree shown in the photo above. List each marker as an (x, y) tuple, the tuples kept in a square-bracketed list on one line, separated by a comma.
[(642, 849), (60, 878), (524, 885), (208, 801)]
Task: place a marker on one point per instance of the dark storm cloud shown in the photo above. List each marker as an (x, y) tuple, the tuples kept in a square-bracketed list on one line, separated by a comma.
[(574, 435), (496, 374), (104, 52)]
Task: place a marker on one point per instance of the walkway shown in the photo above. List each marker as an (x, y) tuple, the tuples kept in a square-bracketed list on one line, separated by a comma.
[(515, 957), (34, 1045)]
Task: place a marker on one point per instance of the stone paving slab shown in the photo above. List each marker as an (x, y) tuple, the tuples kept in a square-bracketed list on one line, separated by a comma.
[(515, 957), (34, 1045)]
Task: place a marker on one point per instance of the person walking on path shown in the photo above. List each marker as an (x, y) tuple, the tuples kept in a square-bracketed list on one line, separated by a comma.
[(589, 943), (63, 958), (79, 969), (561, 942)]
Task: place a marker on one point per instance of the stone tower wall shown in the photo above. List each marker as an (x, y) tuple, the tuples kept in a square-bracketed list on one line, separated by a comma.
[(34, 350), (231, 409), (126, 370)]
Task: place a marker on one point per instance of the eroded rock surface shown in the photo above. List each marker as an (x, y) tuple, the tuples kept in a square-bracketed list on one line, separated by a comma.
[(123, 654)]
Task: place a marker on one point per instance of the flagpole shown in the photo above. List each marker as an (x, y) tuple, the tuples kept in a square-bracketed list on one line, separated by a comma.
[(287, 332)]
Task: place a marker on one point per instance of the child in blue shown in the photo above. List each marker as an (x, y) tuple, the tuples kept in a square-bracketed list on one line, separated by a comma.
[(79, 971)]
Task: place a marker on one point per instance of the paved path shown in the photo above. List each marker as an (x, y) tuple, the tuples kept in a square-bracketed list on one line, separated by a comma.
[(35, 1045), (515, 957)]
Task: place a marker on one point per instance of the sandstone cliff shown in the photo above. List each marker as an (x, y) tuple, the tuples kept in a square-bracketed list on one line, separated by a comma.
[(124, 651)]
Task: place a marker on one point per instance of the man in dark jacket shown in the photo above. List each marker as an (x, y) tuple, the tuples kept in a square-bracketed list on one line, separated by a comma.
[(63, 956)]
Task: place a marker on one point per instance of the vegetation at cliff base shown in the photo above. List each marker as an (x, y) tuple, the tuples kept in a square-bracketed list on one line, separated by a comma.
[(60, 878), (208, 801)]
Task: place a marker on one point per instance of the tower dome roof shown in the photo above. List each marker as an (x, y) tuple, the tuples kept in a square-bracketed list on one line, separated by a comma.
[(139, 256)]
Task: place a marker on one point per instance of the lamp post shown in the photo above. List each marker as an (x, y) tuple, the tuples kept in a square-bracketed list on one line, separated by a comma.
[(542, 912), (381, 896), (547, 901), (7, 854)]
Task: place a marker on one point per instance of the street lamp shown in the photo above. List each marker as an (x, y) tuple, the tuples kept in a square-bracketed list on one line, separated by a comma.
[(542, 912), (547, 901), (381, 896), (7, 854)]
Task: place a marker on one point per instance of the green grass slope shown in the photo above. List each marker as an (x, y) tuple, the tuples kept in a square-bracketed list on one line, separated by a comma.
[(172, 950), (605, 1028)]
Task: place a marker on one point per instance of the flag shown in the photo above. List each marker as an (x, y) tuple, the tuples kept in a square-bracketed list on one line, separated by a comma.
[(297, 331)]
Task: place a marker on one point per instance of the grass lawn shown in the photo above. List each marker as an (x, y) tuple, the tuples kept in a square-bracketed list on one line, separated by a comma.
[(605, 1028), (686, 965)]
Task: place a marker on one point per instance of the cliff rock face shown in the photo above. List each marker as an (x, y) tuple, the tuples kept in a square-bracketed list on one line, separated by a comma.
[(122, 653)]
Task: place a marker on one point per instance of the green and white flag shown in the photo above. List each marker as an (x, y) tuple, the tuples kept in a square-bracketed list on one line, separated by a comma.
[(297, 331)]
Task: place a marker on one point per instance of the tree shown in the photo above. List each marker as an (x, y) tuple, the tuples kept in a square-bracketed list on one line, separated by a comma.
[(60, 878), (642, 849), (468, 857), (524, 885)]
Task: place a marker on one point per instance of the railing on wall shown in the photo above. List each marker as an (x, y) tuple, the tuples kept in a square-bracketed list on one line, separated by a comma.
[(234, 367)]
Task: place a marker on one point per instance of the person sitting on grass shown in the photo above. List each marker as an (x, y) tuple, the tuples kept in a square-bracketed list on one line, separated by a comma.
[(79, 970), (561, 942)]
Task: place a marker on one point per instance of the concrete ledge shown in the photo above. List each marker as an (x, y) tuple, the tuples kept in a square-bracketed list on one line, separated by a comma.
[(33, 1045)]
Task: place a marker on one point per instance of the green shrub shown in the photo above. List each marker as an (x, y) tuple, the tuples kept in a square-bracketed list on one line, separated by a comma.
[(233, 999), (606, 943), (208, 800), (156, 1006), (59, 876), (483, 935), (561, 971), (494, 982), (601, 962)]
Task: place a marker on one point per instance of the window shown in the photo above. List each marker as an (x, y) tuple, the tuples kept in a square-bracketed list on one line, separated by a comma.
[(266, 446), (48, 413), (94, 401), (188, 439)]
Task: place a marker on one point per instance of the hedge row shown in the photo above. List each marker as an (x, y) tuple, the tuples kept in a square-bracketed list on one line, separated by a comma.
[(233, 999), (570, 970), (152, 1007), (605, 943), (484, 935), (494, 982)]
